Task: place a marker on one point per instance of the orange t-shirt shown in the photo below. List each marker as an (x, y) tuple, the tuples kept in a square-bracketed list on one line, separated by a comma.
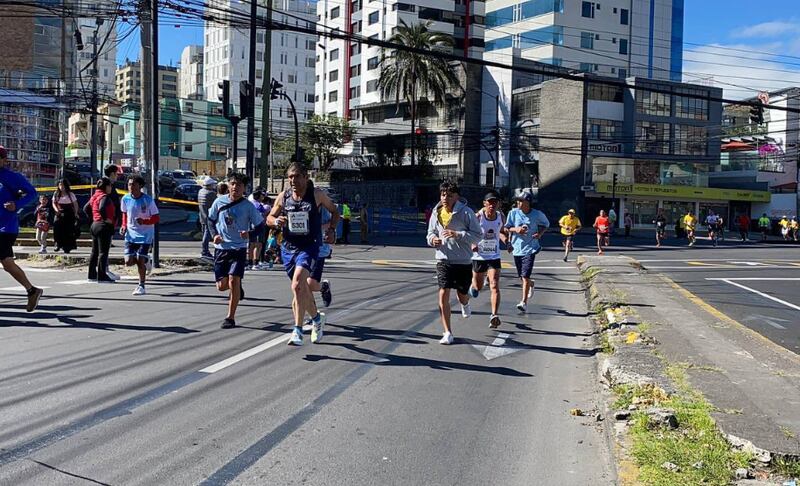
[(602, 224)]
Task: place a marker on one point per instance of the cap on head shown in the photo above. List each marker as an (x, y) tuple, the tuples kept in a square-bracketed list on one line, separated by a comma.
[(491, 196), (571, 211), (209, 181), (525, 196), (3, 152)]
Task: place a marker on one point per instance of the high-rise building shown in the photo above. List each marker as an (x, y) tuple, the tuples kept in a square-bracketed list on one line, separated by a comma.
[(106, 39), (129, 82), (226, 57), (191, 73)]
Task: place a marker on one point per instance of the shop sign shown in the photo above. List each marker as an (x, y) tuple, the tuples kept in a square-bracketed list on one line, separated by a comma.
[(606, 148), (689, 192)]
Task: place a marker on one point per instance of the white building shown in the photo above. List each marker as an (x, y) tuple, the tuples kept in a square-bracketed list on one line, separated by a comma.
[(106, 60), (190, 74), (226, 56)]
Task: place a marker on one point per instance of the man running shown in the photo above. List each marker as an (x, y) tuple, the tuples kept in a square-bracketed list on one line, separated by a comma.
[(570, 224), (15, 192), (257, 237), (527, 226), (452, 230), (602, 224), (690, 222), (712, 222), (231, 218), (743, 222), (139, 217), (486, 256), (763, 226), (297, 211), (661, 227), (794, 225), (785, 224)]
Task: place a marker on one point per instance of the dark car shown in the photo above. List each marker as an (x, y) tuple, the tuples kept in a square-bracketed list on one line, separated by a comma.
[(187, 192)]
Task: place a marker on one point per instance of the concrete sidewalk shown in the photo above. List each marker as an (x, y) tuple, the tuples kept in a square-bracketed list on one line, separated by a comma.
[(753, 383)]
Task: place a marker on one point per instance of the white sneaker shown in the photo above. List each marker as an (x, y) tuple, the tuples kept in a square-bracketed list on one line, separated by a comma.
[(149, 266), (139, 290), (447, 338), (296, 338), (113, 276), (522, 307), (317, 329), (466, 310), (42, 251)]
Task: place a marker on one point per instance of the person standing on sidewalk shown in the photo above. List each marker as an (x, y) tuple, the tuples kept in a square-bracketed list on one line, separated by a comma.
[(452, 230), (346, 216), (42, 222), (205, 198), (139, 217), (612, 218), (65, 226), (763, 226), (15, 192), (570, 225), (486, 256), (526, 226), (112, 173), (104, 214), (743, 222), (628, 222), (363, 219)]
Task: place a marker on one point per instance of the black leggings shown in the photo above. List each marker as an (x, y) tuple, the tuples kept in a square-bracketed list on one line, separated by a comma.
[(102, 233)]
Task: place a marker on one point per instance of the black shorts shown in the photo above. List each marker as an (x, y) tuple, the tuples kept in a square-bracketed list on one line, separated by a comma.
[(524, 265), (7, 241), (454, 276), (258, 236), (229, 262), (483, 266), (317, 268)]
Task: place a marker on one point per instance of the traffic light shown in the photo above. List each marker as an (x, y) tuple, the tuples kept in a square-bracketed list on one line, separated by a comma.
[(225, 97), (615, 179), (757, 114), (246, 100), (79, 40), (275, 87)]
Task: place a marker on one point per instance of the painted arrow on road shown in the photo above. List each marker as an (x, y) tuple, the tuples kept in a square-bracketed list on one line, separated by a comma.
[(772, 321), (496, 349)]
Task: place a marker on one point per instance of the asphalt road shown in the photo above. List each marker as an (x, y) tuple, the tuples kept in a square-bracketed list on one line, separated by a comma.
[(101, 387)]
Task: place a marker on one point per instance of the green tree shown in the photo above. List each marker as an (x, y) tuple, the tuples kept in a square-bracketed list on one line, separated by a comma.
[(325, 135), (408, 75)]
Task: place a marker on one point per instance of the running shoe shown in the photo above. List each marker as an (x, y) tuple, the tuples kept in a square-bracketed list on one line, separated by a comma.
[(327, 296), (494, 322), (466, 310), (228, 323), (565, 258), (42, 251), (139, 290), (34, 294), (317, 328), (473, 292), (296, 338), (149, 266), (113, 276), (522, 307), (447, 338)]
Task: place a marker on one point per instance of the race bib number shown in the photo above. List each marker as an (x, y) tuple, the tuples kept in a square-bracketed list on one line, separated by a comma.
[(602, 228), (298, 222), (487, 246)]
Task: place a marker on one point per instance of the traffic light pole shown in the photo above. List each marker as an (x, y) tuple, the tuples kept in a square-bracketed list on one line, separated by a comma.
[(235, 150)]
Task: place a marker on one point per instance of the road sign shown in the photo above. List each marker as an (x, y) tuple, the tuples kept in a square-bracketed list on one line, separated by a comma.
[(587, 188)]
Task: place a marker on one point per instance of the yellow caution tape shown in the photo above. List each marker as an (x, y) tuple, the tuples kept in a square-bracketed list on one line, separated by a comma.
[(121, 191)]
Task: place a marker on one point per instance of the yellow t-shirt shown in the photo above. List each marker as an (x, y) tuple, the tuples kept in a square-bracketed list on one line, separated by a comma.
[(571, 222), (784, 223), (689, 221), (444, 216)]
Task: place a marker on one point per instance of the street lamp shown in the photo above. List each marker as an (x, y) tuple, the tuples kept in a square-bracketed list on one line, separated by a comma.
[(275, 93)]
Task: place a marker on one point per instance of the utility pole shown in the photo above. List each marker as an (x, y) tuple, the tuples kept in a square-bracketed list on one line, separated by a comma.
[(266, 132), (149, 21), (496, 139), (146, 71), (251, 95), (93, 107)]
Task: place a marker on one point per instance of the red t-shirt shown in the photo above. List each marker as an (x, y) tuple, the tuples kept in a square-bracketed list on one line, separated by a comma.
[(602, 224), (744, 222)]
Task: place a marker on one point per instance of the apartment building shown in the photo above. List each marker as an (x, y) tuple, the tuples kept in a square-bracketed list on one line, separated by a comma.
[(129, 82), (106, 40), (191, 73)]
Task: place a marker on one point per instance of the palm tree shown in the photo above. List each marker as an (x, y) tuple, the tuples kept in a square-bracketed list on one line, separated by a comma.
[(407, 74)]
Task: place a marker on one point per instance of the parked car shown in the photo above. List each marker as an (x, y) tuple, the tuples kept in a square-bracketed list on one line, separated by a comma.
[(187, 191), (171, 179)]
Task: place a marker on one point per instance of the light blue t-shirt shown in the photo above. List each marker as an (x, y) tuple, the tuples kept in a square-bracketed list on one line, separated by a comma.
[(141, 207), (230, 222), (324, 249), (536, 221)]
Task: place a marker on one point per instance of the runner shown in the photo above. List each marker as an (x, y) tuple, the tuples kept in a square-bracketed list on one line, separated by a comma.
[(661, 227), (139, 217), (795, 227), (315, 281), (526, 225), (785, 224), (231, 218), (690, 222), (721, 227), (712, 222), (452, 230), (763, 225), (15, 192), (258, 236), (602, 224), (743, 222), (570, 224), (297, 211), (486, 256)]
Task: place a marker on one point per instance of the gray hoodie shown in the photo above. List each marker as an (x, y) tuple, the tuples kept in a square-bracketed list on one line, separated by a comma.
[(465, 224)]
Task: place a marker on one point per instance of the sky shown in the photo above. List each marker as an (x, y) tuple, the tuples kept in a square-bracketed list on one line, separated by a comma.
[(732, 43)]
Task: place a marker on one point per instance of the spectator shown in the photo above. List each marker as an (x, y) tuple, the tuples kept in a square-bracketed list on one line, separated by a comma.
[(628, 222), (65, 227), (346, 215), (42, 222), (363, 218), (205, 198), (104, 214), (743, 222)]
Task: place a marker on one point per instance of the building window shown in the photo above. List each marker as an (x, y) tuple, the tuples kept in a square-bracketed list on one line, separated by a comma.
[(189, 107), (333, 96), (334, 55), (605, 92), (355, 49), (217, 149), (372, 86), (623, 46), (355, 70), (586, 67), (526, 106), (690, 140), (218, 131), (291, 78), (587, 10), (187, 148), (309, 97), (189, 126), (335, 13), (355, 6), (355, 92), (652, 137), (355, 27), (373, 63), (310, 45), (587, 40), (333, 75), (606, 130), (403, 7), (310, 62), (623, 16), (651, 103), (623, 73), (373, 18)]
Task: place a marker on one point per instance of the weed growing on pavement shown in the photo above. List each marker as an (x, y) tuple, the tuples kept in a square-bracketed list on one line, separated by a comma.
[(644, 327), (589, 274), (605, 344), (628, 395), (787, 466)]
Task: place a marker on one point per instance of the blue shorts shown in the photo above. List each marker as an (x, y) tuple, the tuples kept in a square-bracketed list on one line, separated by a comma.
[(138, 250), (524, 265), (229, 262), (299, 258)]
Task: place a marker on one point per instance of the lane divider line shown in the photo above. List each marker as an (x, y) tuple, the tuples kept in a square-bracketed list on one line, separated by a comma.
[(762, 294)]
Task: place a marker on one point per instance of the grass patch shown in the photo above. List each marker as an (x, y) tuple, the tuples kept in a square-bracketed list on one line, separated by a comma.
[(786, 467), (605, 344), (628, 395), (591, 273), (702, 455), (644, 327)]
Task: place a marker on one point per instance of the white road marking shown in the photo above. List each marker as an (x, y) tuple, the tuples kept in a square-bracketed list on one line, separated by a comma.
[(20, 288), (495, 349), (753, 264), (772, 321), (791, 279), (41, 270), (762, 294)]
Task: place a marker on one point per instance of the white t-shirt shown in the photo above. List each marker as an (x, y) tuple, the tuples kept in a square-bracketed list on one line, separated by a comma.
[(489, 244)]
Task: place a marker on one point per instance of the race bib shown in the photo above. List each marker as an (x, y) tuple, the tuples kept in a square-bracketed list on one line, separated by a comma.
[(487, 246), (298, 222), (602, 228)]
